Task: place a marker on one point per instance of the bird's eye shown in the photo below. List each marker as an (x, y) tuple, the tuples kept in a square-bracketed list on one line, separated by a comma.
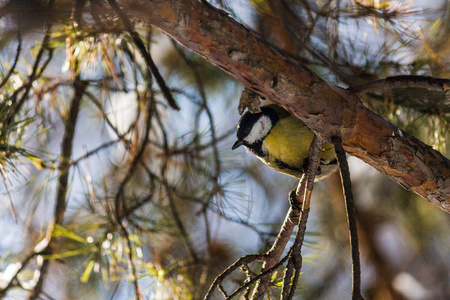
[(247, 131)]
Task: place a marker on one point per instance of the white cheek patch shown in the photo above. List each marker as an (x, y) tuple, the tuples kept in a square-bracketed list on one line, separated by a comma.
[(259, 130)]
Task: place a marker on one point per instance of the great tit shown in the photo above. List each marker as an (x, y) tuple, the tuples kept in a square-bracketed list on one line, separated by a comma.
[(282, 142)]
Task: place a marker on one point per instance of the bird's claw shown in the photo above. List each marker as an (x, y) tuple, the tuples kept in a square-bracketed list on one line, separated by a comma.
[(295, 204)]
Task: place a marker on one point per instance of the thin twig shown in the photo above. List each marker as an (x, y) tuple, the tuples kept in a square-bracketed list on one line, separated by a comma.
[(171, 197), (120, 206), (402, 81), (188, 147), (66, 150), (79, 88), (103, 113), (95, 150), (16, 59), (207, 265), (145, 54), (179, 223), (244, 260), (303, 195), (130, 262), (351, 216), (23, 264), (35, 73), (201, 88), (63, 179), (295, 260), (11, 202), (274, 254), (258, 277)]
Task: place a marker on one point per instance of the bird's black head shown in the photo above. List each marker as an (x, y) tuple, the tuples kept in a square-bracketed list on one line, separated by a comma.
[(253, 128)]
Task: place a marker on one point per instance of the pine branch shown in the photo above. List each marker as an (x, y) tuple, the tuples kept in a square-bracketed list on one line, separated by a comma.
[(323, 107), (130, 261), (35, 73), (295, 259), (407, 81), (145, 54), (63, 179), (244, 260), (16, 59), (351, 216)]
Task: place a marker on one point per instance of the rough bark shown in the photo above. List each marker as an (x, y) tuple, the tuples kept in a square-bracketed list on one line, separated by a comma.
[(325, 108)]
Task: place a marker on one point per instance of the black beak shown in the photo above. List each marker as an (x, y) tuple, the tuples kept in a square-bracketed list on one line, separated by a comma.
[(237, 144)]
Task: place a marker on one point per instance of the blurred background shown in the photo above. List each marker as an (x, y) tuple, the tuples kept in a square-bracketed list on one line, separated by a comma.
[(106, 190)]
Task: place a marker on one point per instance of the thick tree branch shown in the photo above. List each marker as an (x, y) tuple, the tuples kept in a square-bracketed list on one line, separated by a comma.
[(325, 108)]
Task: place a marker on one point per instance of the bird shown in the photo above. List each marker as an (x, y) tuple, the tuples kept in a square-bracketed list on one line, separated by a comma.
[(282, 142)]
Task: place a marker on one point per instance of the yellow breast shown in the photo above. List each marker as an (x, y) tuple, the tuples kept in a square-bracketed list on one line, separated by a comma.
[(289, 142)]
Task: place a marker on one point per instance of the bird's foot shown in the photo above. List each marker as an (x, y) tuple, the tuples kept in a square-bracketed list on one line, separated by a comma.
[(295, 204)]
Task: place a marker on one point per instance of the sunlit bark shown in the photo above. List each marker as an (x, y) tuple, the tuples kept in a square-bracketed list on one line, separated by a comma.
[(327, 109)]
